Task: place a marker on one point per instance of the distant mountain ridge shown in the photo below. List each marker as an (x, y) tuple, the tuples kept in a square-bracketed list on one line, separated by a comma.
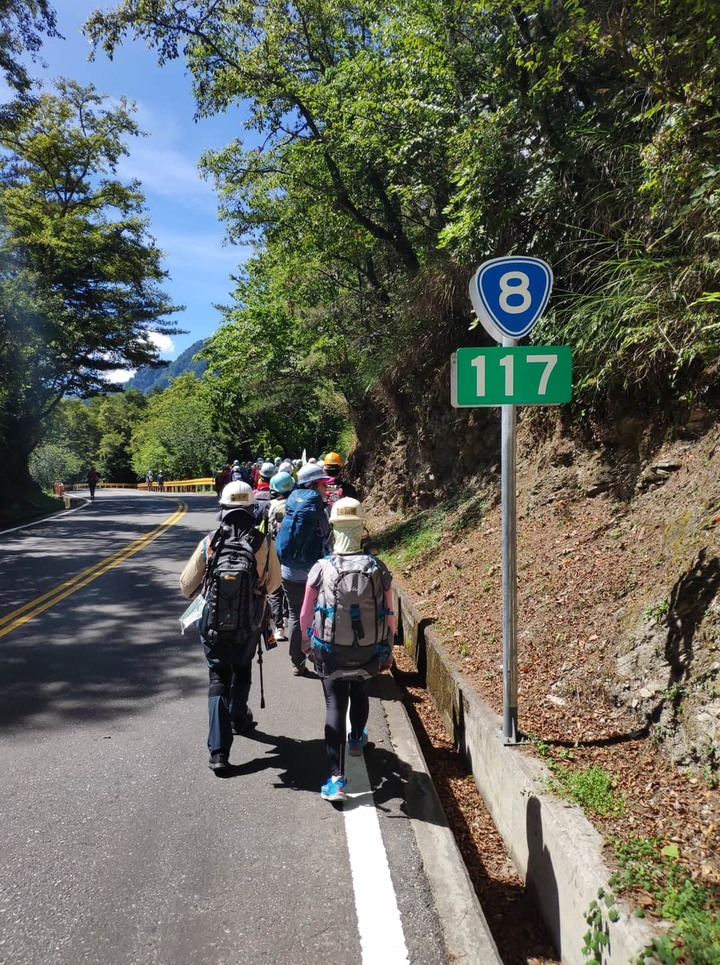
[(148, 380)]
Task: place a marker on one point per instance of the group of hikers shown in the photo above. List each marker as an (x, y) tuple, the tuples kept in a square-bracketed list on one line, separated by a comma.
[(287, 563), (262, 470), (155, 480)]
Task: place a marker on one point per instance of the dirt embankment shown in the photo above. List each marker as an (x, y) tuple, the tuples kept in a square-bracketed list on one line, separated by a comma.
[(618, 610)]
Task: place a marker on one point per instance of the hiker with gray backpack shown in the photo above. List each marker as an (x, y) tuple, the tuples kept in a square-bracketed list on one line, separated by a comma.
[(349, 624), (234, 568)]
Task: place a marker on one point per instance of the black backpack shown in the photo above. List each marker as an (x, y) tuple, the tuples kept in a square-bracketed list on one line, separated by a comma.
[(234, 611)]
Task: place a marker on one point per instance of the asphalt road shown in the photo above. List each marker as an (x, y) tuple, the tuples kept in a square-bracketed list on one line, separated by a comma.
[(119, 845)]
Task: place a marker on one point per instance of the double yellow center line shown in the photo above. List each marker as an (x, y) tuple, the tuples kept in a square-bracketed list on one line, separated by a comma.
[(11, 621)]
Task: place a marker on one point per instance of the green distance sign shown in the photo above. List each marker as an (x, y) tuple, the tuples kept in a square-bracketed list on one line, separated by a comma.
[(517, 375)]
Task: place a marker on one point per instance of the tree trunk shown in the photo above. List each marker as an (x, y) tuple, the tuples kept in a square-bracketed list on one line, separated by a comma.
[(17, 488)]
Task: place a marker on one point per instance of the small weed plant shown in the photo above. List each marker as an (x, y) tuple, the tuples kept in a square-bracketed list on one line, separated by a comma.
[(591, 787), (597, 938), (674, 695), (657, 612), (646, 865)]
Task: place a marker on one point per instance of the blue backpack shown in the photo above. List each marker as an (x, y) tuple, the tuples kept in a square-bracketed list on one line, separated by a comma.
[(300, 538)]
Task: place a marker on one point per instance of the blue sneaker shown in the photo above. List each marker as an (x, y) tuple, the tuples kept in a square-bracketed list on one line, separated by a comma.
[(356, 745), (334, 790)]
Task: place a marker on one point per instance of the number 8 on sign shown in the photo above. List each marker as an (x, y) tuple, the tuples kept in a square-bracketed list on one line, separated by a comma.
[(519, 287), (510, 294)]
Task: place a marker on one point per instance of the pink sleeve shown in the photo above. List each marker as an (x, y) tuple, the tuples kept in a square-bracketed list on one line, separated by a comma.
[(389, 606), (308, 611)]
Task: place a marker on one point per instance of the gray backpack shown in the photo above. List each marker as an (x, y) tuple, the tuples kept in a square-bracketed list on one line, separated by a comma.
[(350, 631)]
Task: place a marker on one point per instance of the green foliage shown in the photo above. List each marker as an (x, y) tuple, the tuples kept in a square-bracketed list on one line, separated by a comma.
[(51, 463), (176, 435), (647, 865), (592, 788), (657, 611), (404, 542), (72, 425), (79, 278), (597, 938), (151, 379), (345, 442), (23, 24), (403, 143), (267, 392), (97, 432)]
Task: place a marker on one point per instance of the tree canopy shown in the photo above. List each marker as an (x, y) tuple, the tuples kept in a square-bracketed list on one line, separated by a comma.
[(80, 277), (24, 22), (403, 143)]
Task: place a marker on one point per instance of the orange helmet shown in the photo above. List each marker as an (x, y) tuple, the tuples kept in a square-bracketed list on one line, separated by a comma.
[(333, 459)]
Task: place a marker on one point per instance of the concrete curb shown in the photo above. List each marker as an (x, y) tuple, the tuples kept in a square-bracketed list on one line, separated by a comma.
[(552, 844), (465, 930)]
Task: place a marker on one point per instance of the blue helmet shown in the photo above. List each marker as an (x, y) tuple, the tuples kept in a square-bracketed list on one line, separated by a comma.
[(282, 482)]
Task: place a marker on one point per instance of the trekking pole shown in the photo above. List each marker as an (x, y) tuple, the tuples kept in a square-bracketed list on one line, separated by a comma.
[(260, 665)]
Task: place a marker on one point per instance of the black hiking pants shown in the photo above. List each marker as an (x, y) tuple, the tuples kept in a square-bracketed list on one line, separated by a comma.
[(338, 694), (230, 680)]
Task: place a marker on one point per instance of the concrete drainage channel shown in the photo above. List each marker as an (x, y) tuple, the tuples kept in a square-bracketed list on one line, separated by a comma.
[(552, 844)]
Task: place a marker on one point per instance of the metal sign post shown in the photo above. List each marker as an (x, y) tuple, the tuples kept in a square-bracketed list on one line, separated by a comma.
[(509, 295), (508, 450)]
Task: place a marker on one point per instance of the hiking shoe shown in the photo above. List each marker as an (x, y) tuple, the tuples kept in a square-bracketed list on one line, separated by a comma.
[(334, 790), (243, 726), (219, 762), (356, 745)]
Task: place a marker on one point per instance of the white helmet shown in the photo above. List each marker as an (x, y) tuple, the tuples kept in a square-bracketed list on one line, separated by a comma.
[(237, 495), (347, 510), (311, 473), (285, 466)]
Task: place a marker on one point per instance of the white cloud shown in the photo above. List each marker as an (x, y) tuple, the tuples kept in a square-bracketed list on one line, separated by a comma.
[(165, 171), (119, 375), (163, 343)]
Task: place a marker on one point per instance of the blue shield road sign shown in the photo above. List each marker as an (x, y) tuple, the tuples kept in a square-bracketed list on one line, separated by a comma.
[(510, 294)]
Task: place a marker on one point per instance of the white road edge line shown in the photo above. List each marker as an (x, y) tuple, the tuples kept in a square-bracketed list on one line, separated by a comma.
[(382, 939), (44, 519)]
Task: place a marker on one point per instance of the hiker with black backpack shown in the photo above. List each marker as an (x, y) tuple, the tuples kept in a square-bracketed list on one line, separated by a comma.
[(349, 628), (235, 567), (303, 537)]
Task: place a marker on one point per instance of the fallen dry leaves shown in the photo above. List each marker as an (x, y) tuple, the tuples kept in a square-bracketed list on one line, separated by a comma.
[(580, 561)]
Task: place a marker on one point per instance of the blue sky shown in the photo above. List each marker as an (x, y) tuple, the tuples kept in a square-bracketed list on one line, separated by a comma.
[(181, 206)]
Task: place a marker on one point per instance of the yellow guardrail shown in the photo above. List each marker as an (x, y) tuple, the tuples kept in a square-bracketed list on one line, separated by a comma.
[(183, 485), (206, 484)]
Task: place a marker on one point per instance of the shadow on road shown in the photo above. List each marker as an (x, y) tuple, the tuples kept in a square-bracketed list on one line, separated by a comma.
[(301, 762), (104, 651), (303, 767)]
